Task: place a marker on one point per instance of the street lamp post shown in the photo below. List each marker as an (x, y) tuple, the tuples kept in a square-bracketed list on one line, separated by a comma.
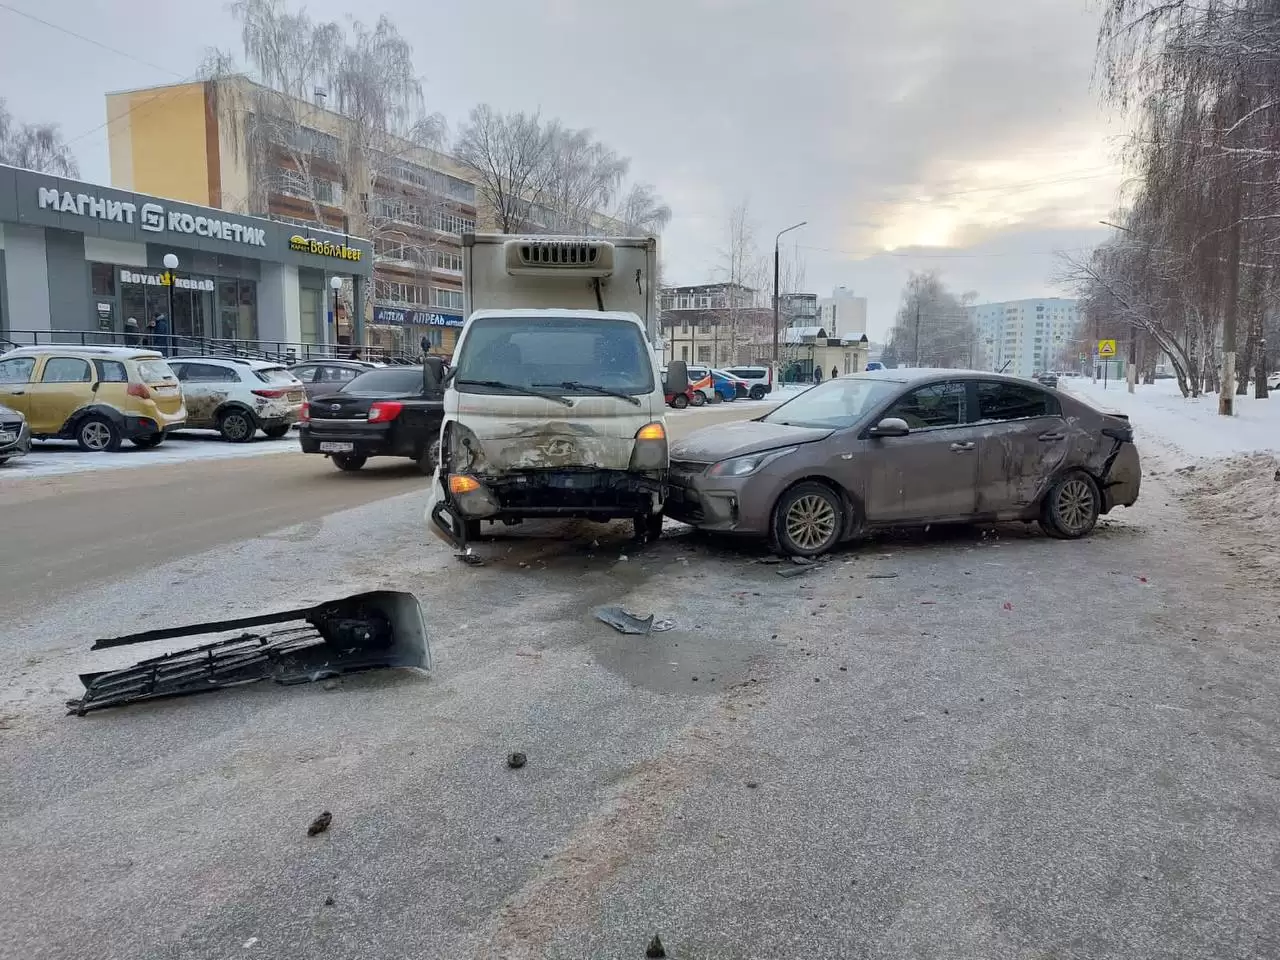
[(170, 264), (335, 284), (794, 226)]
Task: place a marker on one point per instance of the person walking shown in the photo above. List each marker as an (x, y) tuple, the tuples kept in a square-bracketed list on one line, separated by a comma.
[(132, 334), (835, 372), (817, 374), (161, 326)]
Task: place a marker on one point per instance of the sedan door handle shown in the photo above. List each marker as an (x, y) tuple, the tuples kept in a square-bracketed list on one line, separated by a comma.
[(964, 447), (1050, 437), (17, 393)]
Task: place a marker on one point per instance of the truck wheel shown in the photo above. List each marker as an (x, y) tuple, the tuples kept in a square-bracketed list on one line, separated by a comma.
[(429, 458), (648, 527), (679, 401), (349, 461)]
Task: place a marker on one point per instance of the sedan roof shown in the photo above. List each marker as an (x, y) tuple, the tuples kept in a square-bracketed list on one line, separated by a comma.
[(921, 374)]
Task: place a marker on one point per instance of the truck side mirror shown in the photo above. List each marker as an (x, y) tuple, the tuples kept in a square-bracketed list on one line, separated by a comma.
[(677, 377), (432, 376)]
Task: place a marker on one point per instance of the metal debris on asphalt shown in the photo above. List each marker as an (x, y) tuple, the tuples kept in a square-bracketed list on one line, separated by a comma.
[(366, 631), (320, 824), (625, 622), (662, 626), (516, 760), (790, 572), (471, 559), (881, 576)]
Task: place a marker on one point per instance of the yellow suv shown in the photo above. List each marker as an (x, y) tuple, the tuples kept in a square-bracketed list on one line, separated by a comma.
[(97, 396)]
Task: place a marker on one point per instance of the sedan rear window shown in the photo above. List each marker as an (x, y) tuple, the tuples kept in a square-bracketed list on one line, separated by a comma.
[(387, 382), (1013, 401)]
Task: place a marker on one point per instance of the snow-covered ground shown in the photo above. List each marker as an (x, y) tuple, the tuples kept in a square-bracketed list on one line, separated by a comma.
[(57, 457), (1193, 427)]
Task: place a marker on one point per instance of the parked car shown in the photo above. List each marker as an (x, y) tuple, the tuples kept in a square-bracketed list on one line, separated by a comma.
[(739, 386), (719, 386), (238, 397), (97, 396), (874, 365), (1048, 380), (689, 398), (321, 377), (759, 380), (1273, 381), (15, 435), (381, 413), (906, 447)]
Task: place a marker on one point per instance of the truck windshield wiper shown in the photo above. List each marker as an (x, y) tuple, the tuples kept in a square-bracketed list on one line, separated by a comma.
[(603, 391), (518, 388)]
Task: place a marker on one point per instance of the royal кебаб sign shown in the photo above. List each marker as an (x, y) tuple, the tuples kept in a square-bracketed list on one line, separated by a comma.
[(149, 216)]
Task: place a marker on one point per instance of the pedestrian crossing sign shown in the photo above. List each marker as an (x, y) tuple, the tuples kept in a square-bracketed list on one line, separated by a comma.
[(1106, 348)]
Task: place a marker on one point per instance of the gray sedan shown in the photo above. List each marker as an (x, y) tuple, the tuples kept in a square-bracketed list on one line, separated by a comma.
[(893, 448), (15, 435)]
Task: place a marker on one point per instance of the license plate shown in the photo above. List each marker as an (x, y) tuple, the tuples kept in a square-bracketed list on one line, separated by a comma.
[(164, 390), (333, 447), (7, 437)]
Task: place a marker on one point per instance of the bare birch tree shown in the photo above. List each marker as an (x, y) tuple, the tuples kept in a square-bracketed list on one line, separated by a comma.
[(507, 152), (932, 327), (34, 146)]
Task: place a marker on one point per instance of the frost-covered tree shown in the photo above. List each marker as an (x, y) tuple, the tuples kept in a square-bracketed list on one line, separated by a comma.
[(34, 146)]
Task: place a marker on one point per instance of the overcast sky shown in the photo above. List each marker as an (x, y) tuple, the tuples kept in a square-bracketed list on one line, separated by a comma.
[(957, 134)]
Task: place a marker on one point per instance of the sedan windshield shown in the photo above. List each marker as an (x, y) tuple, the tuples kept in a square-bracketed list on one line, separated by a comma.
[(578, 356), (835, 404)]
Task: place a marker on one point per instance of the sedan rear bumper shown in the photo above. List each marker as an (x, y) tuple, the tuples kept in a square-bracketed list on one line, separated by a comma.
[(366, 439)]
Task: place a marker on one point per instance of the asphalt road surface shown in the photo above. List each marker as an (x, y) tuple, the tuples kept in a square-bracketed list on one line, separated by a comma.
[(61, 533), (951, 744)]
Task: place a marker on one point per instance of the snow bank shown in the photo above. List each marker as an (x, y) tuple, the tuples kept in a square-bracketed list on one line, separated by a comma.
[(57, 457), (1192, 427)]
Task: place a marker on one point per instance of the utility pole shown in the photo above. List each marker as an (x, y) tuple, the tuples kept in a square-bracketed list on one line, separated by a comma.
[(915, 358), (776, 261)]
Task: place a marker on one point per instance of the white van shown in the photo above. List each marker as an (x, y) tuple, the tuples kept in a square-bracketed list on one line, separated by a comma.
[(759, 379)]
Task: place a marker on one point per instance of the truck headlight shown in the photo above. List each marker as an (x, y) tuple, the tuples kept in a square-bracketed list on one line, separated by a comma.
[(745, 466)]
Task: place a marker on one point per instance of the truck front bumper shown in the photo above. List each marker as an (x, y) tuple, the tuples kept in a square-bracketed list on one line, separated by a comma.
[(599, 495)]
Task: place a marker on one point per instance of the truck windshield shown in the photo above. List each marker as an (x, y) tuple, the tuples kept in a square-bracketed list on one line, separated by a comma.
[(584, 357)]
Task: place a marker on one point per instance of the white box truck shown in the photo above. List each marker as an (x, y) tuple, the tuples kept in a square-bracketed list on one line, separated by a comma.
[(554, 405)]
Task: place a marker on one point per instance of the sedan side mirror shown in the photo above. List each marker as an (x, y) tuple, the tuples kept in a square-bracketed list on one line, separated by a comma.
[(890, 427), (432, 376), (677, 377)]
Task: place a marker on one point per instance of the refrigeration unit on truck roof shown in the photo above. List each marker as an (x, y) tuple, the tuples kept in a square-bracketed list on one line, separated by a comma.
[(504, 272)]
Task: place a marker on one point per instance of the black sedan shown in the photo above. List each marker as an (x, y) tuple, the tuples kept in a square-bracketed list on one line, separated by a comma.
[(383, 412), (15, 435)]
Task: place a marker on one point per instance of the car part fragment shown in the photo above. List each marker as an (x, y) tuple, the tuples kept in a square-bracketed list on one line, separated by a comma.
[(366, 631)]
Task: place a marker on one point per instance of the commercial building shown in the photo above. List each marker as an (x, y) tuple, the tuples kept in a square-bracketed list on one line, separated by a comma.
[(807, 348), (1024, 337), (842, 313), (238, 146), (83, 258)]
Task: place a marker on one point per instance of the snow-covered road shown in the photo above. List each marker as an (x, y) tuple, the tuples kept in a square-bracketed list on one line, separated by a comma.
[(58, 457)]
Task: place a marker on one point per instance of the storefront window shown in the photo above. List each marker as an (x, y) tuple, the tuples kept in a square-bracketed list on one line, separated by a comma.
[(237, 310), (103, 278), (311, 305)]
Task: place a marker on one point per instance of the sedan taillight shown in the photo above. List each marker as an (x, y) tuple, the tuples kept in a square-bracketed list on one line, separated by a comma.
[(385, 410), (304, 415)]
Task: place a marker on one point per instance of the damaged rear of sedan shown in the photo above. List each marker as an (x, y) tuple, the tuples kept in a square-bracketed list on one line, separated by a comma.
[(894, 448)]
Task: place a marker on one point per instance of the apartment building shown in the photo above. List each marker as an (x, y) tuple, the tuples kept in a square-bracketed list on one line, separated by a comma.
[(208, 143), (712, 324), (1024, 337), (842, 313)]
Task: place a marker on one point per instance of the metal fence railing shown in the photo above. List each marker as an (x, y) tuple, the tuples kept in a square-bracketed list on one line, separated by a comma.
[(174, 345)]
